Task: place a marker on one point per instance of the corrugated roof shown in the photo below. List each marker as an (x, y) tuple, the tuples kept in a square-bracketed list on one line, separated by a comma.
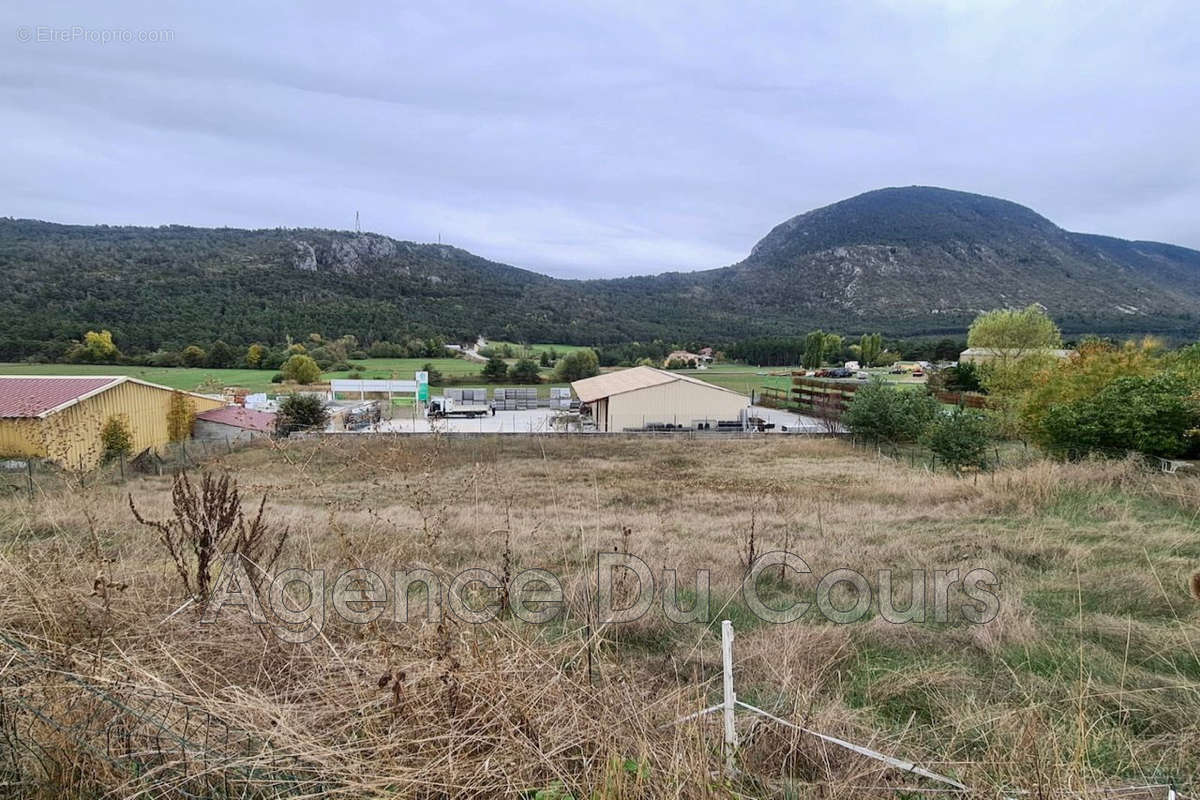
[(22, 396), (39, 396), (238, 417), (627, 380)]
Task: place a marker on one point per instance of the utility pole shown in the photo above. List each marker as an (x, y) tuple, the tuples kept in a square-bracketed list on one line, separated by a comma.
[(357, 226)]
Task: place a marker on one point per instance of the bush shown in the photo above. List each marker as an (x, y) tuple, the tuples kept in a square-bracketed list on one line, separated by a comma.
[(181, 415), (301, 412), (495, 370), (116, 439), (435, 375), (277, 377), (577, 365), (221, 356), (1154, 416), (301, 369), (525, 371), (881, 411), (963, 378), (961, 438), (193, 356), (385, 349)]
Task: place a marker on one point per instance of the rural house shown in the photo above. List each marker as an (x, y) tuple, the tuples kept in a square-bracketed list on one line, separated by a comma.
[(59, 418), (686, 358), (647, 397)]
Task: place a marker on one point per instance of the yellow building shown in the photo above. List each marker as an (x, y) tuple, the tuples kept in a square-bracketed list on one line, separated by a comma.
[(644, 397), (59, 418)]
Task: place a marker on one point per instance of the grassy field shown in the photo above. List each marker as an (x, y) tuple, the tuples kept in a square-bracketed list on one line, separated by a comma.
[(187, 378), (213, 380), (739, 377), (1088, 677), (538, 349), (744, 378)]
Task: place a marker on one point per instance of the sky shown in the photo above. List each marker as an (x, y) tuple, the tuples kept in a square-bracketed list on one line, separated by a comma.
[(585, 139)]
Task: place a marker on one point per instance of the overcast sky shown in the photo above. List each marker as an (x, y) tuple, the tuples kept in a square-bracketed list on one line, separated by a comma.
[(596, 139)]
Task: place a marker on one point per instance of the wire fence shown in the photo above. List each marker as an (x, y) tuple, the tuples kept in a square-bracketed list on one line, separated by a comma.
[(34, 477)]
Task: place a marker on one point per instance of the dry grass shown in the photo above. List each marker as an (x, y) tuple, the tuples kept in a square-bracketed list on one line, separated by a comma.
[(1088, 677)]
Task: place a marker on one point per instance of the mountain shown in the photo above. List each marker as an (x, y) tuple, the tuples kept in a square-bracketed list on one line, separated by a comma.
[(923, 259), (906, 261)]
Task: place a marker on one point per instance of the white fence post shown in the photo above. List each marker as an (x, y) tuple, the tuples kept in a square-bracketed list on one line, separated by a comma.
[(730, 695)]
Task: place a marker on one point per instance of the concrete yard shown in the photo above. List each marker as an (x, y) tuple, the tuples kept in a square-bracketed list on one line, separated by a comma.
[(534, 420), (540, 420)]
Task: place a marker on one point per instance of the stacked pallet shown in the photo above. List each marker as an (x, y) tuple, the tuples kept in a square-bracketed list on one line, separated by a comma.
[(465, 395), (560, 397), (516, 399)]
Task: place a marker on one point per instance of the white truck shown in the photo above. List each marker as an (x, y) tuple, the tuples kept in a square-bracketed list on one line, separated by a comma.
[(442, 407)]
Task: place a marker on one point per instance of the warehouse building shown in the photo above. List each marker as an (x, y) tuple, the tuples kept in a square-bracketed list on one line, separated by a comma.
[(988, 355), (59, 418), (233, 424), (645, 397)]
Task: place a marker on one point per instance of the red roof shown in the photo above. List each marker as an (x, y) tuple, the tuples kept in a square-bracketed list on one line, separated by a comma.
[(238, 417), (35, 397)]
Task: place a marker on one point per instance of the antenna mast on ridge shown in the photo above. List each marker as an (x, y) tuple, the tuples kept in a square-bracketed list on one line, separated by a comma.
[(357, 226)]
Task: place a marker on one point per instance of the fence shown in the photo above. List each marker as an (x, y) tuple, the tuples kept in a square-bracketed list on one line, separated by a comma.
[(33, 476), (730, 705), (814, 395)]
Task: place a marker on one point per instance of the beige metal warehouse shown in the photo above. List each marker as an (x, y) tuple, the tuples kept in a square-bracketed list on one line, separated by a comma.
[(636, 398), (59, 418)]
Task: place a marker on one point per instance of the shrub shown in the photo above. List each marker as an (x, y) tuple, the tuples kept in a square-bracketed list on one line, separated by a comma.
[(116, 439), (881, 411), (961, 438), (193, 356), (577, 365), (963, 378), (1154, 416), (254, 356), (386, 349), (495, 370), (525, 371), (301, 369), (435, 375), (181, 415), (277, 377), (221, 356), (96, 347), (300, 412)]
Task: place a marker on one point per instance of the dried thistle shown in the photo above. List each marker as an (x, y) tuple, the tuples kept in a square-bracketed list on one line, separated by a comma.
[(207, 521)]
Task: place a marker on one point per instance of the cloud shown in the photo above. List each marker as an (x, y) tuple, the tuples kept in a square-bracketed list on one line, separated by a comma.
[(598, 139)]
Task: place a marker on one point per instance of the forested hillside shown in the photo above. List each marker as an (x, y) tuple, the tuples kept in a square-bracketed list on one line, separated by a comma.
[(906, 262)]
